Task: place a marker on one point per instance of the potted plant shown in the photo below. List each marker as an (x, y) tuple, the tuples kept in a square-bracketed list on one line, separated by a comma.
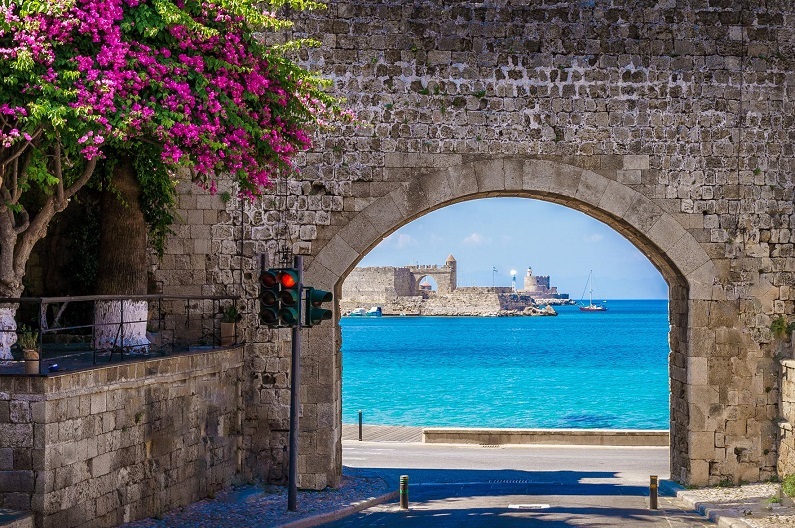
[(229, 320), (28, 341)]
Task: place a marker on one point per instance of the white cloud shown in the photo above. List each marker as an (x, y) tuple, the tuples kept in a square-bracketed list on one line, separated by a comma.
[(476, 239), (594, 238), (404, 241)]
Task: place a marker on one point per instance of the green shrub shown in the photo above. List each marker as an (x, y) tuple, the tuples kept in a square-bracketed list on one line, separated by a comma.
[(788, 485)]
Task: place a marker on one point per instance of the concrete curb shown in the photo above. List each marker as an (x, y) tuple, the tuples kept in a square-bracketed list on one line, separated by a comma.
[(722, 516), (596, 437), (327, 517)]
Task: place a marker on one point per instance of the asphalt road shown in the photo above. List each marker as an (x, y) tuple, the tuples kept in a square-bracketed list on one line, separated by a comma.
[(528, 486)]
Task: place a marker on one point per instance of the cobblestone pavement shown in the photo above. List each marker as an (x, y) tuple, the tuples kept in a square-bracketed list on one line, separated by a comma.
[(266, 506)]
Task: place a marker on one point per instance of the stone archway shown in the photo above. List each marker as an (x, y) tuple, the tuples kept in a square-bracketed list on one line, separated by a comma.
[(675, 251)]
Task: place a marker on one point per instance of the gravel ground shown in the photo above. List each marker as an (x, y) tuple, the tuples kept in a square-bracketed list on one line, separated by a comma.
[(264, 506), (750, 504)]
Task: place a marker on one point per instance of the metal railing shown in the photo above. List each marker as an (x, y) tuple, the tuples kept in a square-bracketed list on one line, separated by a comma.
[(70, 335)]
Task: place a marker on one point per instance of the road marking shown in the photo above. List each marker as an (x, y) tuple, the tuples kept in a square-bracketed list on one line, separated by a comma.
[(528, 506)]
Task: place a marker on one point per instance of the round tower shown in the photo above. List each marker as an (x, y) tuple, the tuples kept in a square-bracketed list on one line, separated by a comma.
[(453, 265), (529, 280)]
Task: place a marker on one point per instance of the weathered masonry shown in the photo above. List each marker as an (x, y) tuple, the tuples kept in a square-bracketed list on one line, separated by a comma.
[(671, 121)]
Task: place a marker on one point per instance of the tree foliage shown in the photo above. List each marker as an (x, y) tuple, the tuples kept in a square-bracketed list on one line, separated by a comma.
[(188, 86)]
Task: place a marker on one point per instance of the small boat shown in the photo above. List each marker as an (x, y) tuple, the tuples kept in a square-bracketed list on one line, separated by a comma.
[(591, 307), (357, 312), (375, 311)]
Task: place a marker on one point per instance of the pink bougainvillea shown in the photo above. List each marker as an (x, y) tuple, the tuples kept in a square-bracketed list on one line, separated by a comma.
[(190, 80), (191, 76)]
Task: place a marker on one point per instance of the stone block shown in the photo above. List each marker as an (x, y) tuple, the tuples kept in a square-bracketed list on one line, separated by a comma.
[(98, 403), (666, 232), (592, 188), (636, 162), (697, 370), (6, 458), (537, 175), (514, 174), (16, 481), (19, 411), (490, 175), (16, 435), (384, 215), (702, 445), (629, 177), (617, 199), (565, 179), (688, 254)]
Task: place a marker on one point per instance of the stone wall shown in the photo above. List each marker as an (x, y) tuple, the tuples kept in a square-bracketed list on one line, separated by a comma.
[(470, 301), (786, 457), (384, 284), (669, 121), (121, 442)]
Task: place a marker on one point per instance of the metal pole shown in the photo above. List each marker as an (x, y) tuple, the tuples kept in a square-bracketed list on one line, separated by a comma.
[(295, 373), (404, 492), (360, 426), (653, 492)]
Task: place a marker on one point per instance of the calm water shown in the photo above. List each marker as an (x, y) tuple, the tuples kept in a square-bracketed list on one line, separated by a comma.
[(576, 370)]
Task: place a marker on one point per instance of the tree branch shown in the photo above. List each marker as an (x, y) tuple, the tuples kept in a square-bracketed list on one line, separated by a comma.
[(22, 149), (82, 180), (58, 168), (19, 229)]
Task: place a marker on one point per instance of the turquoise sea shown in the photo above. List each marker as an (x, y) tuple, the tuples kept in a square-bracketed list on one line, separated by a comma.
[(576, 370)]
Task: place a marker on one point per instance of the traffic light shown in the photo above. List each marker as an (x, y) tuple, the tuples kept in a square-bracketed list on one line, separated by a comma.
[(314, 313), (269, 297), (290, 297), (280, 297)]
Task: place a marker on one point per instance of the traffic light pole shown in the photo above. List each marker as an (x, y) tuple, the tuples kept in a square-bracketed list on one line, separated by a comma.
[(295, 372)]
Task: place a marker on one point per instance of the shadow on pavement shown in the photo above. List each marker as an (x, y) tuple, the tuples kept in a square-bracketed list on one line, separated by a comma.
[(464, 482)]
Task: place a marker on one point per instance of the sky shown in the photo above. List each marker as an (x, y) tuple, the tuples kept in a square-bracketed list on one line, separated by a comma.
[(515, 233)]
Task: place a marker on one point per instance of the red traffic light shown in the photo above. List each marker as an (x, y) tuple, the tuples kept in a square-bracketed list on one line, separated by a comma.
[(288, 278)]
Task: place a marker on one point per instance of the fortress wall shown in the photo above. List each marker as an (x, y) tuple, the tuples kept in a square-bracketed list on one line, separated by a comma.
[(670, 122), (377, 284), (405, 282), (464, 301)]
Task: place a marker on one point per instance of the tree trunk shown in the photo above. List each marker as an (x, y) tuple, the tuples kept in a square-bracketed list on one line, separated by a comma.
[(123, 263)]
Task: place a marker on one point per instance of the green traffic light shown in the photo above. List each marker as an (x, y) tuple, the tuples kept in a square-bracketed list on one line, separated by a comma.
[(290, 316), (315, 313), (317, 297), (289, 298)]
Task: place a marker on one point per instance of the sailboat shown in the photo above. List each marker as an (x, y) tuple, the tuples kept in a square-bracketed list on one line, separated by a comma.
[(591, 307)]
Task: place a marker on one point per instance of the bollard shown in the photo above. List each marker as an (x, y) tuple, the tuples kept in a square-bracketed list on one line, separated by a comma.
[(360, 426), (404, 492), (653, 492)]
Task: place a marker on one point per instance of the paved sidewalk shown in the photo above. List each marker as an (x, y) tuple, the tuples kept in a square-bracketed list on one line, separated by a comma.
[(751, 505)]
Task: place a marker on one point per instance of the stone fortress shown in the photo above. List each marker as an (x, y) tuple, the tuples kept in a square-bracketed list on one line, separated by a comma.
[(406, 290)]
